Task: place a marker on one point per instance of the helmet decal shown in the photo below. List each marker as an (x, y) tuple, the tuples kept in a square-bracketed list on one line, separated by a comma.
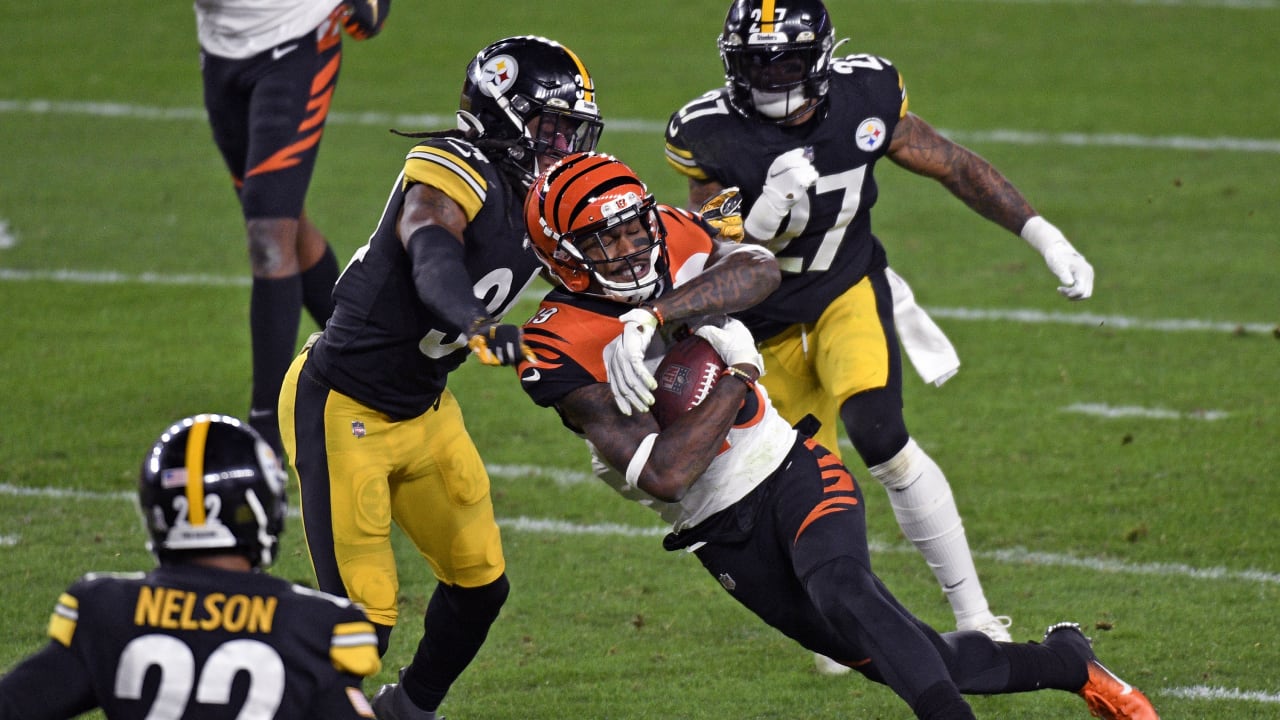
[(498, 75)]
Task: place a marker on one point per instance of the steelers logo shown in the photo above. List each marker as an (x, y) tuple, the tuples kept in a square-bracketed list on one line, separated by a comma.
[(498, 73), (871, 134)]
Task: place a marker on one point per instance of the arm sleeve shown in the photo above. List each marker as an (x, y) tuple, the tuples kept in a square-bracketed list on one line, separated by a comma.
[(441, 280)]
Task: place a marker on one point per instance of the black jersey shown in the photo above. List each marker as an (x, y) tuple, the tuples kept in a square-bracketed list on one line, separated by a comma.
[(382, 346), (198, 643), (825, 245)]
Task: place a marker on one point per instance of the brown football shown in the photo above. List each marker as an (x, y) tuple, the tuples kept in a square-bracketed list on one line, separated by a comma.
[(685, 377)]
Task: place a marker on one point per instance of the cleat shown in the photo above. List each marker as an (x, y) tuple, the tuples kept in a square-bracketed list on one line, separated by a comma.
[(1107, 696), (827, 666), (995, 627), (392, 703)]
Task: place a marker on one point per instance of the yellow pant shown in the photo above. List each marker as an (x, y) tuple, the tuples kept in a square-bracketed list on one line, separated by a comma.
[(813, 369), (359, 471)]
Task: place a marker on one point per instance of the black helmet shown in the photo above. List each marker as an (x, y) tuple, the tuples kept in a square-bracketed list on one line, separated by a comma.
[(211, 483), (774, 65), (516, 80)]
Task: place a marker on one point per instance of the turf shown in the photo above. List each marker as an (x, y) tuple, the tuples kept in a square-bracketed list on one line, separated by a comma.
[(1146, 131)]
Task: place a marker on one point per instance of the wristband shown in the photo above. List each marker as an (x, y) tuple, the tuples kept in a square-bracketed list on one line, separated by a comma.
[(653, 310), (734, 372)]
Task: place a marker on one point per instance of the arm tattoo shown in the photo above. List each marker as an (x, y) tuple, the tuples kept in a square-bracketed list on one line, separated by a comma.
[(976, 182)]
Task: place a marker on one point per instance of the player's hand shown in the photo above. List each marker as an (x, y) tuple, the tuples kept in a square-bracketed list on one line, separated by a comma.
[(630, 381), (733, 343), (788, 179), (724, 213), (364, 18), (1073, 271), (497, 343)]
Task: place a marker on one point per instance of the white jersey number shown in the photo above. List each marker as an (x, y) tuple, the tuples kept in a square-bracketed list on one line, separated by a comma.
[(212, 683)]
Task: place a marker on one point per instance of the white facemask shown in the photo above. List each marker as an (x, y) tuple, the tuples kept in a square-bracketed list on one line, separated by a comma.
[(777, 104)]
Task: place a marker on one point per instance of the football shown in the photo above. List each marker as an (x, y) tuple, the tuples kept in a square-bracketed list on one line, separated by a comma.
[(685, 377)]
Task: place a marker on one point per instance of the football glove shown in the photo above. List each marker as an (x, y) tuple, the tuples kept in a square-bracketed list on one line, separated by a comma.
[(724, 213), (789, 178), (630, 381), (497, 343), (1073, 271), (364, 18), (733, 343)]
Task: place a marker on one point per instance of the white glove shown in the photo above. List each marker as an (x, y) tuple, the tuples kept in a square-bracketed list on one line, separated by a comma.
[(629, 379), (733, 343), (789, 177), (1073, 271)]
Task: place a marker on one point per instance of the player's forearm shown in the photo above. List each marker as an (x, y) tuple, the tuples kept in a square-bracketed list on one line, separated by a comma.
[(737, 281)]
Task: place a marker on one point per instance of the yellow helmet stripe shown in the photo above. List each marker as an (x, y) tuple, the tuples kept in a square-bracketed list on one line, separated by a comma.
[(589, 89), (766, 16), (196, 439)]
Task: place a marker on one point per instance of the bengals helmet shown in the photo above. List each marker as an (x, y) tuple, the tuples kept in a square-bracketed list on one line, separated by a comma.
[(582, 211), (210, 483), (519, 80), (777, 56)]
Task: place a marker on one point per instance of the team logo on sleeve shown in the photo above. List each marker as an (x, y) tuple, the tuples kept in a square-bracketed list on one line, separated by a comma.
[(871, 134)]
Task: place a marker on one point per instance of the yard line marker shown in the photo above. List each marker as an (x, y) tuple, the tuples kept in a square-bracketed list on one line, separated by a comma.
[(643, 126), (1121, 411), (1016, 555), (1018, 315), (1205, 692)]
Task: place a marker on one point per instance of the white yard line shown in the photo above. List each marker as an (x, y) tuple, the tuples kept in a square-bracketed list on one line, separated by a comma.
[(640, 125)]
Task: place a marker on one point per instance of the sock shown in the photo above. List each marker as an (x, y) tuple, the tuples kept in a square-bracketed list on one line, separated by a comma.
[(317, 287), (275, 307), (456, 625), (1033, 666), (927, 513)]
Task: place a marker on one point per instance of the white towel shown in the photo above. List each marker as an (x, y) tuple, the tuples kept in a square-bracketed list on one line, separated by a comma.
[(924, 342)]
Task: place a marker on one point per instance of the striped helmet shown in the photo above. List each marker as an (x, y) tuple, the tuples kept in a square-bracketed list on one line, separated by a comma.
[(209, 484), (595, 227)]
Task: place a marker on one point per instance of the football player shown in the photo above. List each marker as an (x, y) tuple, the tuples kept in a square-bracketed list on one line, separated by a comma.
[(206, 634), (772, 515), (373, 433), (817, 125), (269, 70)]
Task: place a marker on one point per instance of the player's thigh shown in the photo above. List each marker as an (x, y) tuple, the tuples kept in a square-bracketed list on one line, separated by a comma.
[(443, 501), (854, 346), (792, 379)]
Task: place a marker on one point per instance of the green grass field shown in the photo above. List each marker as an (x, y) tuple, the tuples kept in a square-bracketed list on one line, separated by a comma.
[(1115, 460)]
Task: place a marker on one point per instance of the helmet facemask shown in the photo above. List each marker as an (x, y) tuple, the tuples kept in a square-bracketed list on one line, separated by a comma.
[(634, 276), (779, 70)]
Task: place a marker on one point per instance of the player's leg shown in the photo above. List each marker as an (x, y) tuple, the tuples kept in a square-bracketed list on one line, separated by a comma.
[(342, 453), (444, 507), (860, 363), (319, 267), (288, 107)]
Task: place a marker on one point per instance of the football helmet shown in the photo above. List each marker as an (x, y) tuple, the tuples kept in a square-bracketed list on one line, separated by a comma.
[(596, 229), (777, 56), (211, 483), (535, 98)]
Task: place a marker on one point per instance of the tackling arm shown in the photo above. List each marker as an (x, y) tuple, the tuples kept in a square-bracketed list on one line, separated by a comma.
[(430, 227)]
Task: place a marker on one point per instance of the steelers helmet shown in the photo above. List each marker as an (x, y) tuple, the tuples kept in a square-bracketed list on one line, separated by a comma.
[(574, 214), (210, 483), (519, 80), (777, 56)]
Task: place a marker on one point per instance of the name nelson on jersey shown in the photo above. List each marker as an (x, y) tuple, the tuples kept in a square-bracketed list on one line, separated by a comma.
[(172, 609)]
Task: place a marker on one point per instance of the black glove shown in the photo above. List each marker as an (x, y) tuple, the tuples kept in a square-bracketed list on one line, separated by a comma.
[(364, 18), (498, 343)]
